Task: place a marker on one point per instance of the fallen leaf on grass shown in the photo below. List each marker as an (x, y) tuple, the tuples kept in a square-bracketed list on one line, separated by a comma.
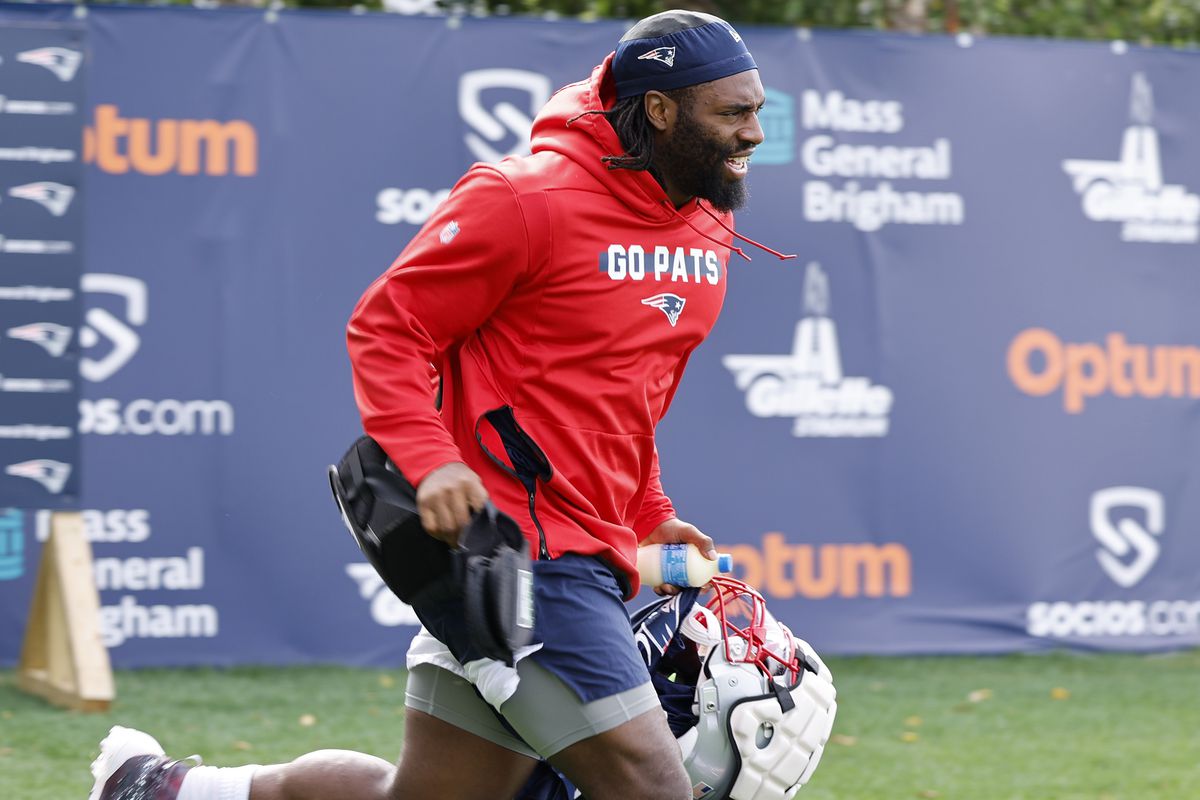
[(979, 695), (913, 721), (1059, 693), (307, 720), (909, 737), (387, 681), (240, 745), (5, 751), (844, 740), (6, 714), (929, 793)]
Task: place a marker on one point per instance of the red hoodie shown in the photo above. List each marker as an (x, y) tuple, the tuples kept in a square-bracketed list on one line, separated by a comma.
[(567, 292)]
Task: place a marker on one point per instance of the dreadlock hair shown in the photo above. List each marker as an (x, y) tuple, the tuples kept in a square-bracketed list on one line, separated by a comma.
[(628, 118)]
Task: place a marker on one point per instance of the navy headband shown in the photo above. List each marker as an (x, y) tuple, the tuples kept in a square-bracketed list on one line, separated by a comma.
[(684, 58)]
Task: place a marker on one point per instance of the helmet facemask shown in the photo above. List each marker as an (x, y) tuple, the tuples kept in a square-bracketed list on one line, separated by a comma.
[(762, 701)]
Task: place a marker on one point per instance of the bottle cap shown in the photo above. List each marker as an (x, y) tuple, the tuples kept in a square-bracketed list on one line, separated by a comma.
[(724, 562)]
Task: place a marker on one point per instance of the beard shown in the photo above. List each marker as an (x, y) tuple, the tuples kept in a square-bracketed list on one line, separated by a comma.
[(694, 161)]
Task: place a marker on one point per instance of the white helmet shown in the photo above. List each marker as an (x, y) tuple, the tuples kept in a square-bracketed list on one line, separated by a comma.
[(751, 705)]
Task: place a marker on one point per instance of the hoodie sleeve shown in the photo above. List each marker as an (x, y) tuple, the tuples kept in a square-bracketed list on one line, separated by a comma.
[(656, 507), (445, 285)]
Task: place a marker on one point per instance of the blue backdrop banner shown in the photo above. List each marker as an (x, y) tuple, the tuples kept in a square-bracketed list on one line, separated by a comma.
[(42, 107), (964, 420)]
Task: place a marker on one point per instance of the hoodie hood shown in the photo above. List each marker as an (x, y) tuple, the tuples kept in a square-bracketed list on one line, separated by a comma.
[(573, 125)]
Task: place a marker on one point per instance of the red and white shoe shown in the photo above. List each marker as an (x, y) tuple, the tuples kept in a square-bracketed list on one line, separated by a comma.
[(133, 766)]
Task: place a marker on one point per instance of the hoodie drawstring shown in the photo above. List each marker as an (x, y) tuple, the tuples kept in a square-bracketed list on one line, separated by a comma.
[(671, 207), (746, 239)]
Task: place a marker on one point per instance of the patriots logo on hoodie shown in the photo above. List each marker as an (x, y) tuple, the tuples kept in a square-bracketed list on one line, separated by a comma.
[(50, 474), (59, 60), (664, 54), (55, 197), (669, 304)]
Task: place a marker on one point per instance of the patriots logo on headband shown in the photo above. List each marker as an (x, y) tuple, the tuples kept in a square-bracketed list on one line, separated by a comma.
[(669, 304), (664, 54)]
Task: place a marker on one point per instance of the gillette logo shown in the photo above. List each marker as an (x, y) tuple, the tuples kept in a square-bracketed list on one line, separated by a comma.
[(52, 475), (1131, 191), (808, 384)]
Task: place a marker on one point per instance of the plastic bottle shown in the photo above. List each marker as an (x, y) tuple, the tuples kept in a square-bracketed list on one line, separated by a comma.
[(679, 565)]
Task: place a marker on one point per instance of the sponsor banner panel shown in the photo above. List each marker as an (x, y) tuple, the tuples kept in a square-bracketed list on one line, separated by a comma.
[(960, 421), (42, 105)]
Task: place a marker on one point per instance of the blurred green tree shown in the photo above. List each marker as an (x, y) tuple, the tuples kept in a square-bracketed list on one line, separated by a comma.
[(1173, 22)]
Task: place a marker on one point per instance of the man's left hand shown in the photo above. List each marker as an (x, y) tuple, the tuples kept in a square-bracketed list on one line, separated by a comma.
[(676, 531)]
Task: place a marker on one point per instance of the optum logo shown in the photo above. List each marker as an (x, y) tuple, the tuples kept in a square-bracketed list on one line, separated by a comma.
[(780, 569)]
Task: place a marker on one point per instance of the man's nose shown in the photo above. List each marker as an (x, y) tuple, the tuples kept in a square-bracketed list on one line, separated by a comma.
[(753, 132)]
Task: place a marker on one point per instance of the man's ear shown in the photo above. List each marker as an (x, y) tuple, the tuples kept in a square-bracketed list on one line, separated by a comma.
[(660, 110)]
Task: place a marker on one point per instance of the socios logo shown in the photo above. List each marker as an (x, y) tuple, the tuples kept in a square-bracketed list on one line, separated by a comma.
[(394, 205), (118, 145), (386, 609), (1131, 191), (111, 339), (1126, 521), (499, 106), (809, 384), (12, 544), (781, 569), (778, 121), (1041, 364)]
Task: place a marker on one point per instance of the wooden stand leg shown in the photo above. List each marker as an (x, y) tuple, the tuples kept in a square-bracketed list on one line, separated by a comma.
[(63, 658)]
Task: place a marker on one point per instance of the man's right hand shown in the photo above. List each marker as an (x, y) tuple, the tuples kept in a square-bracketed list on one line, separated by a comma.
[(447, 498)]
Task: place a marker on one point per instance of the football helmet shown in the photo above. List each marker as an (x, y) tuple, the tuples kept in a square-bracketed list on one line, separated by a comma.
[(750, 704)]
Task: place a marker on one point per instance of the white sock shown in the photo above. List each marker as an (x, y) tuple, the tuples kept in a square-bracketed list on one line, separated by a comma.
[(217, 783)]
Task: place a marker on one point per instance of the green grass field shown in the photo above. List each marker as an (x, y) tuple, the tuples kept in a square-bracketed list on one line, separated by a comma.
[(1049, 727)]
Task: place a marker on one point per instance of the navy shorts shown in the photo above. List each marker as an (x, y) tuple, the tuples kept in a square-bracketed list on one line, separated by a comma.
[(581, 623)]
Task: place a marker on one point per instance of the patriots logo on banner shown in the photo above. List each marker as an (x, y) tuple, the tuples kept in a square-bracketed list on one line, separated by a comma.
[(669, 304), (55, 197), (50, 335), (664, 54), (50, 474), (59, 60)]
